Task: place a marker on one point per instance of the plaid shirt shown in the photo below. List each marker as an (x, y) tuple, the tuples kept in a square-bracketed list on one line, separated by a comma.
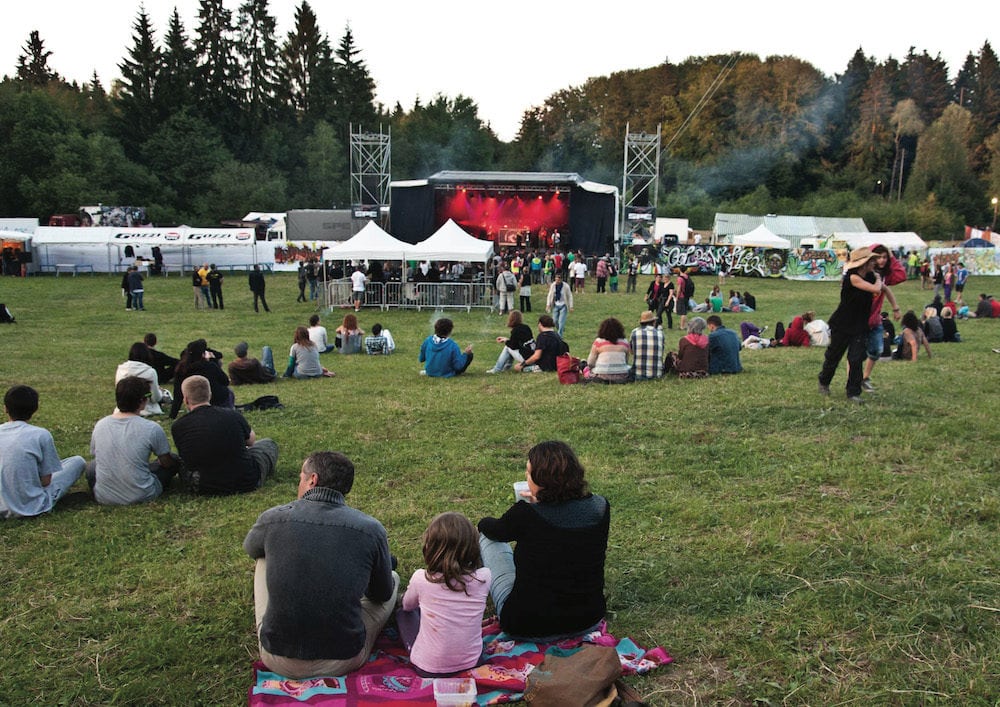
[(647, 352)]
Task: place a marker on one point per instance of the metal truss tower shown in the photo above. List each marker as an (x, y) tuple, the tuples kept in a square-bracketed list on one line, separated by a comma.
[(371, 161), (641, 173)]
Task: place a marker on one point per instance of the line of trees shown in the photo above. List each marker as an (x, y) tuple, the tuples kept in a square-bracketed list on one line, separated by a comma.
[(236, 119)]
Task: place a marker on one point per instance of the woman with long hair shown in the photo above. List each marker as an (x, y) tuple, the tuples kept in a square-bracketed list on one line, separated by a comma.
[(913, 338), (892, 272), (516, 347), (303, 357)]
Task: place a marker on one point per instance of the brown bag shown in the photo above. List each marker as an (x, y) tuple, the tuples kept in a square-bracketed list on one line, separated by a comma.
[(585, 678)]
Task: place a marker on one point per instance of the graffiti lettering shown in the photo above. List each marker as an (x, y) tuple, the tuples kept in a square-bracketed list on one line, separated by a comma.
[(732, 260)]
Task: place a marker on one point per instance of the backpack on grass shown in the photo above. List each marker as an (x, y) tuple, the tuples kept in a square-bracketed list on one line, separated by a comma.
[(5, 316), (264, 402)]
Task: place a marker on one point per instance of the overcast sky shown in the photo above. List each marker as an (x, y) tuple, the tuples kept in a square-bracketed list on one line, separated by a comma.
[(512, 55)]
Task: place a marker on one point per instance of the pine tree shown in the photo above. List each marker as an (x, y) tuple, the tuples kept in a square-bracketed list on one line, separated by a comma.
[(306, 68), (256, 48), (33, 65), (137, 116), (175, 90), (927, 84), (355, 86), (215, 87), (985, 107)]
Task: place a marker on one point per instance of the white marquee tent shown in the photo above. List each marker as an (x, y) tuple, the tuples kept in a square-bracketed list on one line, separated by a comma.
[(892, 240), (370, 243), (761, 237), (451, 243)]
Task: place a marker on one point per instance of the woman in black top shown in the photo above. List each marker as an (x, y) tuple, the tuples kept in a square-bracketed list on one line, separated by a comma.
[(516, 347), (551, 584)]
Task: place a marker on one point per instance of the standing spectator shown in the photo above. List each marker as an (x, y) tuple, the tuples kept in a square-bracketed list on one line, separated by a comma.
[(127, 292), (441, 356), (199, 300), (559, 301), (506, 285), (215, 286), (312, 275), (135, 286), (358, 280), (892, 272), (949, 281), (939, 279), (524, 283), (257, 286), (723, 348), (579, 273), (632, 274), (601, 272), (646, 342), (32, 476), (206, 293), (961, 277), (302, 279), (849, 323), (613, 275), (682, 295), (121, 473)]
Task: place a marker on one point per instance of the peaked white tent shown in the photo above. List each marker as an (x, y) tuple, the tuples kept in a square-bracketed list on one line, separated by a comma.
[(892, 240), (370, 243), (451, 242), (761, 237)]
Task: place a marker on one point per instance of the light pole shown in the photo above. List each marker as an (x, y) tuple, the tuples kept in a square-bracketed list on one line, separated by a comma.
[(994, 201)]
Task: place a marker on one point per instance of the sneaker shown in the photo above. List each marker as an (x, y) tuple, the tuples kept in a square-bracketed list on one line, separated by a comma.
[(763, 329), (866, 385), (492, 370), (824, 389), (856, 399)]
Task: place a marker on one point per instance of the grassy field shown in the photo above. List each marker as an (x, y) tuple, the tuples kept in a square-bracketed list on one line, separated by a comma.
[(783, 547)]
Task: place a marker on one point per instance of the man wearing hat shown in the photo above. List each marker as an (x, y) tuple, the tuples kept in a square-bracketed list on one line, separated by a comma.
[(849, 323), (245, 370), (647, 348)]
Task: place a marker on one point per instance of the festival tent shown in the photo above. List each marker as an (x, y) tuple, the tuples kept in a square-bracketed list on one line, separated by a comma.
[(891, 240), (451, 243), (370, 243), (761, 237), (977, 243)]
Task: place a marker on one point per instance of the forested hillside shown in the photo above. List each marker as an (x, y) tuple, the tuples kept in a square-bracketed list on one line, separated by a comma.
[(230, 117)]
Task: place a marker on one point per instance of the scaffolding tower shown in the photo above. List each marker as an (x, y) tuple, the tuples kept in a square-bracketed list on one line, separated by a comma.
[(371, 162), (641, 174)]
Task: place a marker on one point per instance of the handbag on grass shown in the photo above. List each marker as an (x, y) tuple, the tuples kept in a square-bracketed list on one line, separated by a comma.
[(585, 677), (568, 368)]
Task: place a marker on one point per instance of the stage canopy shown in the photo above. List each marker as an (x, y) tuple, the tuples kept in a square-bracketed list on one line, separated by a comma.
[(370, 243), (892, 240), (450, 242), (509, 208), (761, 237)]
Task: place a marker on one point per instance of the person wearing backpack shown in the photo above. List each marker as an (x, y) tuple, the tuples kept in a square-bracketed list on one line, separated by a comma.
[(506, 285)]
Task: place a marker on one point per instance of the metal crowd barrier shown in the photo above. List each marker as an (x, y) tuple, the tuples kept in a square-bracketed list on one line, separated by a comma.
[(414, 295)]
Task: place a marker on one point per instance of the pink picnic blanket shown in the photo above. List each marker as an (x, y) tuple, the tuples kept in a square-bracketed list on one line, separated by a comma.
[(388, 677)]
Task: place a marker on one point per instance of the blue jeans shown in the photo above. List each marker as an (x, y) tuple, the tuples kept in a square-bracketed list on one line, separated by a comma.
[(506, 359), (137, 299), (559, 315), (875, 342), (499, 558), (267, 359)]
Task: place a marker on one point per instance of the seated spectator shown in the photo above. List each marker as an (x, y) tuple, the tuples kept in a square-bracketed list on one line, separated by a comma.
[(199, 360), (347, 336), (715, 300), (548, 346), (700, 308), (220, 452), (796, 334), (819, 332), (245, 370), (552, 585), (948, 327), (888, 335), (441, 356), (324, 585), (984, 308), (994, 308), (303, 358), (735, 303), (932, 325), (139, 364), (647, 346), (749, 302), (516, 347), (608, 361), (754, 343), (950, 305), (912, 339), (317, 334), (121, 472), (723, 348), (936, 304), (748, 329), (691, 358), (32, 476), (380, 343), (163, 364)]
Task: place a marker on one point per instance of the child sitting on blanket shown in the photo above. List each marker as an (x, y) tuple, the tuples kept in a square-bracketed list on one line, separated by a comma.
[(446, 637)]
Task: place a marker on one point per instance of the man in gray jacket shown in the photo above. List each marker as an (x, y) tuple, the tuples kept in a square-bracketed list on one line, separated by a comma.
[(324, 585)]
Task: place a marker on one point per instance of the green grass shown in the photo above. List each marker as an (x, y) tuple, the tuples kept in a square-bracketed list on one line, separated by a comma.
[(783, 547)]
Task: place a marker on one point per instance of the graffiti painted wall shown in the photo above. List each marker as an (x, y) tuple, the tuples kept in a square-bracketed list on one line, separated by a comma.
[(813, 264), (979, 261), (708, 259)]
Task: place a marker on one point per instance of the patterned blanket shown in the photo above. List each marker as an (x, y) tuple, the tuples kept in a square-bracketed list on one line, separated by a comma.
[(388, 677)]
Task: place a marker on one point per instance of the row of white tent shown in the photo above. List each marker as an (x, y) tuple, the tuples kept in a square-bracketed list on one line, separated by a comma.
[(448, 243), (763, 237)]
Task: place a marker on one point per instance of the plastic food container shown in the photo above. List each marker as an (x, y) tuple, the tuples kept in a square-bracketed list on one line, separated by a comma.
[(455, 691), (520, 486)]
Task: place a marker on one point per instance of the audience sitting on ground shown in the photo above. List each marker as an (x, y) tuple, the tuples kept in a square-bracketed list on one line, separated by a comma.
[(347, 337), (548, 347), (220, 452), (691, 357), (246, 370), (516, 347), (819, 332), (441, 356), (317, 334), (932, 325), (608, 361), (199, 360), (796, 334), (949, 328), (139, 364), (912, 339), (121, 472), (936, 304), (32, 476), (754, 342), (888, 335), (723, 348), (646, 342), (303, 358), (163, 364), (380, 343), (749, 302), (987, 307), (702, 307), (735, 304)]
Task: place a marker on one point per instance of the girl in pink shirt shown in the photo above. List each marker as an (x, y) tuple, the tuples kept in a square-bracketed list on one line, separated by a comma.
[(442, 610)]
